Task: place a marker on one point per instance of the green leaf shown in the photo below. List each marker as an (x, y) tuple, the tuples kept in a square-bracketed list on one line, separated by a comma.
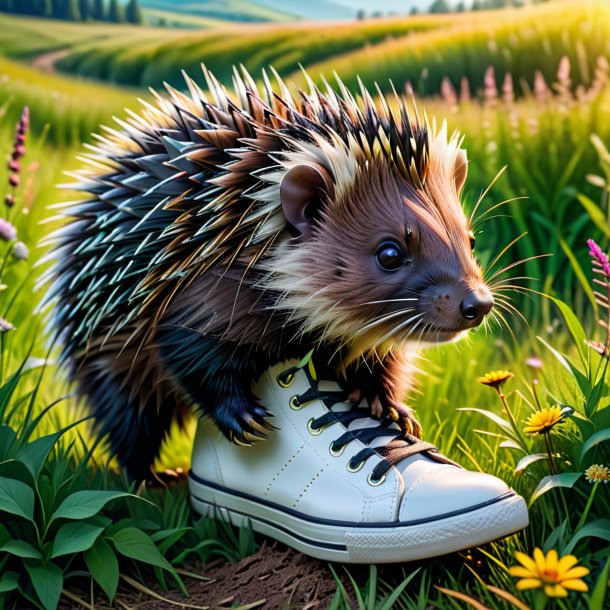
[(600, 528), (104, 567), (594, 439), (16, 498), (528, 460), (48, 581), (565, 479), (583, 382), (598, 597), (34, 454), (595, 213), (493, 417), (389, 603), (7, 390), (135, 544), (84, 504), (75, 537), (7, 439), (21, 548), (5, 535), (576, 330), (9, 581)]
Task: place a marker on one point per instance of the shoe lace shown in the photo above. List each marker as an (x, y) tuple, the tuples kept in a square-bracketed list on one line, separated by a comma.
[(392, 443)]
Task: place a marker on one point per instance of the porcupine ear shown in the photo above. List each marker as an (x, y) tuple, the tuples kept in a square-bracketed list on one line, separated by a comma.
[(302, 191), (460, 170)]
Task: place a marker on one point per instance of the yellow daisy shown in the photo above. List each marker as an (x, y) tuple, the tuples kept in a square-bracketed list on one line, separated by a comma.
[(542, 421), (597, 473), (496, 379), (550, 573)]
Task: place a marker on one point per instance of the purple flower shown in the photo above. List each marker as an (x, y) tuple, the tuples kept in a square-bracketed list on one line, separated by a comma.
[(13, 180), (7, 230), (599, 257)]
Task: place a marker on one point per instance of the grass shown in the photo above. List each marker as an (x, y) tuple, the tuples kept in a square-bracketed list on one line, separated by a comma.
[(422, 49), (546, 143)]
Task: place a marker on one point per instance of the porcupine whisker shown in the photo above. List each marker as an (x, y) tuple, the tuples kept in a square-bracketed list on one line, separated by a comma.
[(515, 264), (513, 279), (510, 308), (475, 226), (476, 221), (383, 318), (503, 251), (383, 301), (398, 327), (484, 194)]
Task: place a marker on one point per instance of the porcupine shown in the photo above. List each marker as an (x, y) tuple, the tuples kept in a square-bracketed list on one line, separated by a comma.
[(225, 232)]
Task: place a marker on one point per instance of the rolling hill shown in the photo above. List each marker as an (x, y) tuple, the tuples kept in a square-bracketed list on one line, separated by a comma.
[(230, 10)]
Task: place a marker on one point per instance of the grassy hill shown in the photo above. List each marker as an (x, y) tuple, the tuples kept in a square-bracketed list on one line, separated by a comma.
[(231, 10), (423, 49)]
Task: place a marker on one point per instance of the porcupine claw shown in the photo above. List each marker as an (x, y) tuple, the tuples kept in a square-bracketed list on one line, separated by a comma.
[(253, 429)]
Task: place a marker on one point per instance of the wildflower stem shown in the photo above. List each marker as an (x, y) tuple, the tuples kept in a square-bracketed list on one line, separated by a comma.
[(585, 513), (510, 415), (549, 450), (540, 601)]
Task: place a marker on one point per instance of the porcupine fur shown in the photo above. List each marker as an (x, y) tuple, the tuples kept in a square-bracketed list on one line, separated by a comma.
[(221, 233)]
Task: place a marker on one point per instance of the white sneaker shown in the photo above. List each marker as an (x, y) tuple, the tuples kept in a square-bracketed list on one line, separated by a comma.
[(338, 485)]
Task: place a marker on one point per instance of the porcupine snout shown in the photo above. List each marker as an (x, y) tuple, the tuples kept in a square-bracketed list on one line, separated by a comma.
[(457, 306)]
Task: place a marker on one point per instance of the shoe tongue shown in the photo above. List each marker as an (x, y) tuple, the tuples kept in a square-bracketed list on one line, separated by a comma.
[(366, 421)]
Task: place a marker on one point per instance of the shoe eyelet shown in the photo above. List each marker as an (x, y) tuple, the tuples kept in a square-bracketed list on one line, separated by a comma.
[(336, 452), (375, 482), (311, 429), (357, 468), (285, 381), (295, 404)]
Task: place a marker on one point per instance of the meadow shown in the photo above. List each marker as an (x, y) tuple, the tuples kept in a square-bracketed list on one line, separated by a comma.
[(547, 122)]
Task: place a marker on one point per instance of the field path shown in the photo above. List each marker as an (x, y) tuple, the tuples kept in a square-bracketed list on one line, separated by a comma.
[(45, 62)]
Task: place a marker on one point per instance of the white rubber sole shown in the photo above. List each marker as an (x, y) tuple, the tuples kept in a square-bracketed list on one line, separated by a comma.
[(363, 543)]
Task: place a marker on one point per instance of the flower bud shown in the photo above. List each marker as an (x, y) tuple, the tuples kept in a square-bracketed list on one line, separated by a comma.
[(20, 251), (7, 230), (13, 180)]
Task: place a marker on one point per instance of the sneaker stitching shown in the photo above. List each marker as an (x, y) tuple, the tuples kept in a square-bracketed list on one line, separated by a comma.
[(311, 482), (279, 472)]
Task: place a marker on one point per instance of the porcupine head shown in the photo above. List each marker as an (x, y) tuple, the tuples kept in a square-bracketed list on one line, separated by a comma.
[(382, 255), (224, 233)]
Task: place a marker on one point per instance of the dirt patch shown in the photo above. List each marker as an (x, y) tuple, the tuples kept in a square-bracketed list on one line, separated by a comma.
[(274, 578)]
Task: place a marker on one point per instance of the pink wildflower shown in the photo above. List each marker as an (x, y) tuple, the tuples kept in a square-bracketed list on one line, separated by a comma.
[(600, 257)]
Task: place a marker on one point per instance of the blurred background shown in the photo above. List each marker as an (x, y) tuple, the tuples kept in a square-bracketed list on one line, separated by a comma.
[(526, 82), (528, 85)]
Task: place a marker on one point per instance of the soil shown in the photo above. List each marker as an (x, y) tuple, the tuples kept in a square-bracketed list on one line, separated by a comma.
[(274, 578)]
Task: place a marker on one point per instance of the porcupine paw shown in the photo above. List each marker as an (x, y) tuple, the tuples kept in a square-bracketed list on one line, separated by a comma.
[(404, 417), (243, 423)]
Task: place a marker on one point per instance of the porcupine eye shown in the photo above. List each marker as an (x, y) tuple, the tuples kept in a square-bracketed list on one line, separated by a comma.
[(473, 240), (389, 256)]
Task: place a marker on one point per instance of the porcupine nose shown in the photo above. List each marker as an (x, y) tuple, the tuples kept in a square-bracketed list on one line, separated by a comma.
[(476, 304)]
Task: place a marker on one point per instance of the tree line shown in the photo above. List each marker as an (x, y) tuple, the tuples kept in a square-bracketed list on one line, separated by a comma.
[(76, 10)]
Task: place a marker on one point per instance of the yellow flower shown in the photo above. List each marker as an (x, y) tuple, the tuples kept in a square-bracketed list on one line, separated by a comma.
[(597, 473), (542, 421), (496, 379), (549, 572)]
